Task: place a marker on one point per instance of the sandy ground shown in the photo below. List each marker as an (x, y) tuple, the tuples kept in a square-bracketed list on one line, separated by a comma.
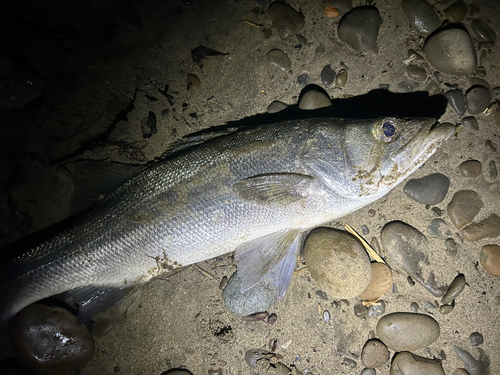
[(181, 320)]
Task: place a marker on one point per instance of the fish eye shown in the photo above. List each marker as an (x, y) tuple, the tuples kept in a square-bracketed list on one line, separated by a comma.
[(386, 131)]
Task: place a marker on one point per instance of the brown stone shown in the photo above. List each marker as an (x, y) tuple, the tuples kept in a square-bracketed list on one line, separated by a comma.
[(489, 257)]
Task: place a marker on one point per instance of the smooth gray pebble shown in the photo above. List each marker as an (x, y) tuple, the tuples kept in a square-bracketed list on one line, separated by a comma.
[(456, 100), (493, 169), (328, 75), (478, 99), (414, 307), (470, 123), (476, 339)]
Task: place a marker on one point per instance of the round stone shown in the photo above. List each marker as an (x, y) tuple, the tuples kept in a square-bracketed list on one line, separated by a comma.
[(279, 59), (313, 99), (478, 99), (470, 168), (256, 299), (49, 340), (421, 15), (417, 73), (327, 75), (489, 257), (470, 123), (429, 190), (476, 339), (463, 207), (341, 78), (276, 107), (360, 310), (337, 262), (445, 309), (359, 28), (407, 331), (286, 20), (456, 287), (380, 283), (374, 354), (456, 100), (411, 364), (193, 82), (414, 307), (377, 309), (368, 371), (456, 12), (451, 51)]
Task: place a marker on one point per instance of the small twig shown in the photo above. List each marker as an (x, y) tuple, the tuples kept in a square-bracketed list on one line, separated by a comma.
[(207, 274), (258, 25), (300, 270)]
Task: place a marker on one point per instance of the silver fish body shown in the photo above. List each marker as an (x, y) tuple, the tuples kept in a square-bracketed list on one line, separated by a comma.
[(255, 191)]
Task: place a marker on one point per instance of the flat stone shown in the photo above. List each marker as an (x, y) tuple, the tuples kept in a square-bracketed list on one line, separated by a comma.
[(313, 99), (451, 51), (456, 12), (478, 99), (463, 207), (470, 123), (473, 366), (337, 262), (489, 257), (456, 287), (359, 28), (429, 190), (421, 15), (405, 248), (257, 299), (470, 168), (374, 354), (488, 228), (286, 20), (407, 331), (456, 100), (410, 364), (483, 31), (279, 59)]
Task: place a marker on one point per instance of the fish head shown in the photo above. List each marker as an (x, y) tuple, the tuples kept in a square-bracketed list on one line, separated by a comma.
[(383, 152)]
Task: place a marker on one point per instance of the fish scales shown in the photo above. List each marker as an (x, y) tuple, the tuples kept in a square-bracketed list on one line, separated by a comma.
[(257, 188)]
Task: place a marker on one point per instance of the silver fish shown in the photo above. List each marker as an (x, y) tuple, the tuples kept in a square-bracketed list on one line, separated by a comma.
[(254, 191)]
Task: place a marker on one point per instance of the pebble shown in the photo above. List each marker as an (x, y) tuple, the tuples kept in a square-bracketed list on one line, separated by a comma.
[(421, 15), (267, 33), (495, 93), (380, 283), (286, 20), (407, 331), (429, 306), (303, 80), (433, 228), (337, 262), (48, 340), (276, 107), (478, 99), (301, 39), (411, 364), (319, 50), (464, 207), (341, 78), (470, 123), (193, 82), (483, 31), (489, 144), (331, 11), (456, 12), (470, 168), (279, 59), (414, 307), (476, 81), (476, 338), (487, 228), (327, 75), (377, 309), (456, 100), (313, 99), (369, 371), (451, 246), (371, 212), (473, 366), (365, 230), (436, 211), (429, 190), (360, 310), (456, 287), (177, 371), (258, 298), (359, 28), (417, 73), (349, 362), (489, 257), (493, 169), (321, 295), (374, 354), (326, 316), (446, 309), (451, 51), (405, 248)]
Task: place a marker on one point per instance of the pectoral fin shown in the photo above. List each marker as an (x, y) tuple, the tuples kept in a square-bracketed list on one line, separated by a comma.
[(274, 255), (282, 188)]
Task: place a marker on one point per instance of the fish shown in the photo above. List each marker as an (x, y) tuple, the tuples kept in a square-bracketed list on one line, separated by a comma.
[(255, 191)]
